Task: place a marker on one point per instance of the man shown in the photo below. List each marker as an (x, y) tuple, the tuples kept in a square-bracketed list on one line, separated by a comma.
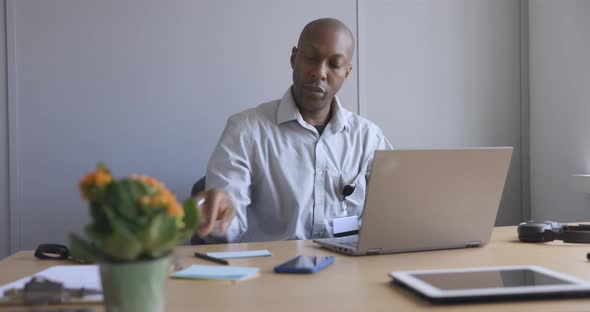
[(279, 170)]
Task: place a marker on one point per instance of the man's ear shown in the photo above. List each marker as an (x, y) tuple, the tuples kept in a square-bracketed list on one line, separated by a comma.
[(348, 71), (293, 54)]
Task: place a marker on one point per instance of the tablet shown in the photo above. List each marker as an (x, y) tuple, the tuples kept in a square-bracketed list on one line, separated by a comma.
[(491, 284)]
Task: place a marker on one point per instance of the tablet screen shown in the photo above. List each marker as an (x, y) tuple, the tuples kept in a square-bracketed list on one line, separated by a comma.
[(489, 279)]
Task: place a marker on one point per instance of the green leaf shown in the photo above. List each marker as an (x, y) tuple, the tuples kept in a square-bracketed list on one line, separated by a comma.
[(191, 219), (94, 234), (166, 238), (84, 251), (123, 201), (136, 189), (122, 247), (121, 244), (150, 236)]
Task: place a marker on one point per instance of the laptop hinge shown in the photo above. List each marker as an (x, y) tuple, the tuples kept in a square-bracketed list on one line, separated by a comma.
[(374, 251), (473, 244)]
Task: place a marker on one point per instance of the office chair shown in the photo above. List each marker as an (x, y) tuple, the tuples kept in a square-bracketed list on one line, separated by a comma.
[(198, 187)]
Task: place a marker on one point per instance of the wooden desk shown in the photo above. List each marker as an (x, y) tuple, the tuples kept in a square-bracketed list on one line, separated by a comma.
[(351, 283)]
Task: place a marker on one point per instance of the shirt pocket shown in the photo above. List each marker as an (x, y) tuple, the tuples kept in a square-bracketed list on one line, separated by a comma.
[(354, 202)]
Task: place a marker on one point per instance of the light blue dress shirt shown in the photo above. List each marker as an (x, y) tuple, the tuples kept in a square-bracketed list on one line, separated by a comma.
[(285, 179)]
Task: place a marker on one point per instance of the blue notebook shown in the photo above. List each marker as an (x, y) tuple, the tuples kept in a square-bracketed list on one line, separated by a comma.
[(240, 254), (214, 272)]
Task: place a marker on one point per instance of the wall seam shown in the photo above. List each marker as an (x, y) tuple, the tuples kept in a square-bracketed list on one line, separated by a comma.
[(14, 185), (526, 209), (7, 120)]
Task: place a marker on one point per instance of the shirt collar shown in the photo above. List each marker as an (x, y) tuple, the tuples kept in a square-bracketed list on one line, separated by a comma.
[(288, 111)]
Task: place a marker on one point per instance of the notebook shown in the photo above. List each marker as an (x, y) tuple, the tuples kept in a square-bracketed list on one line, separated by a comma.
[(240, 254), (213, 272)]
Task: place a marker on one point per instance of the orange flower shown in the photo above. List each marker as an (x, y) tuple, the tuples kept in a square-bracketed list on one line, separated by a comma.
[(98, 178), (102, 178), (175, 210), (162, 196)]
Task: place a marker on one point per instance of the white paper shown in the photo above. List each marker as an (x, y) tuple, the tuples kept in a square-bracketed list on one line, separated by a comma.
[(346, 224), (71, 276)]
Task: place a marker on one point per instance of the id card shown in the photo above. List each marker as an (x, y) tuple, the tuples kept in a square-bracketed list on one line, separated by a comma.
[(346, 226)]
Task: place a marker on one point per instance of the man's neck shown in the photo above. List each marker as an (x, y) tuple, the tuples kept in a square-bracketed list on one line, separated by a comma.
[(317, 118)]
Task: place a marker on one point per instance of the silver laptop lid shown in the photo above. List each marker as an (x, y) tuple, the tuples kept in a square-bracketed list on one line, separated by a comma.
[(432, 199)]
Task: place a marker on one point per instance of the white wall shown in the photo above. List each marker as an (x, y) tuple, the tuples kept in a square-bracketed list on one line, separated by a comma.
[(439, 74), (145, 86), (560, 107), (4, 216)]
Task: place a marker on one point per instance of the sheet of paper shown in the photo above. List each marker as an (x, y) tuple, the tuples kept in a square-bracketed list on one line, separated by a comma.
[(216, 272), (240, 254), (346, 224), (71, 276)]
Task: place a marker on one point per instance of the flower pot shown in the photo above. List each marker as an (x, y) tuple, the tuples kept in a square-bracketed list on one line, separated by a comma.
[(135, 286)]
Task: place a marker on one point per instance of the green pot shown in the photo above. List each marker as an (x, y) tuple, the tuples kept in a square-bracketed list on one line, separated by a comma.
[(135, 286)]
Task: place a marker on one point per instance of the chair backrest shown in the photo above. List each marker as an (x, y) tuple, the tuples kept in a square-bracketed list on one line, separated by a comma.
[(198, 187)]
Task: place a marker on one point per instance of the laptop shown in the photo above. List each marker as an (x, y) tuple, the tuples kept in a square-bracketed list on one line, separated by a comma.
[(428, 199)]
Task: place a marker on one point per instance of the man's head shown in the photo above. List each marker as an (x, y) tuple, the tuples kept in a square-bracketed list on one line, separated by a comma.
[(321, 63)]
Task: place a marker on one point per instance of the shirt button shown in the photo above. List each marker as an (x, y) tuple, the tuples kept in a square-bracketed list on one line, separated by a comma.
[(321, 172)]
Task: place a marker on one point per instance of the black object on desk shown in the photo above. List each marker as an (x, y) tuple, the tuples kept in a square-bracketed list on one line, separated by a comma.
[(209, 258), (52, 251), (547, 231)]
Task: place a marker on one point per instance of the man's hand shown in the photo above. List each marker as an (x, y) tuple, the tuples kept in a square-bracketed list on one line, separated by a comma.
[(217, 206)]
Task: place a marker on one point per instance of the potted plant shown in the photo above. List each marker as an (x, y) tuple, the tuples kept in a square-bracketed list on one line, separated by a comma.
[(135, 224)]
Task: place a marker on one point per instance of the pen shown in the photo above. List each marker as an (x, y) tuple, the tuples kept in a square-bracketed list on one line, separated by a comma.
[(209, 258)]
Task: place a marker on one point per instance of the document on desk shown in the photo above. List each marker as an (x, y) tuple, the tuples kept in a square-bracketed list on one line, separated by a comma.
[(214, 272), (240, 254), (71, 276)]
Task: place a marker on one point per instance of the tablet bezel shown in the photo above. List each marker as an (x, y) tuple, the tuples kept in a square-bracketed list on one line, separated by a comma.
[(406, 278)]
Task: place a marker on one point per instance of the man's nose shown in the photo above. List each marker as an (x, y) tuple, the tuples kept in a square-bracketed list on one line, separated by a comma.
[(320, 71)]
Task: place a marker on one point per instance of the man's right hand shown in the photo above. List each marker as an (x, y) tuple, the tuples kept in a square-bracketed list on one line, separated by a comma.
[(217, 206)]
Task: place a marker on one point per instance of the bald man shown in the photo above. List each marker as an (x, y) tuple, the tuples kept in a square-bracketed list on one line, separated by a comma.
[(279, 169)]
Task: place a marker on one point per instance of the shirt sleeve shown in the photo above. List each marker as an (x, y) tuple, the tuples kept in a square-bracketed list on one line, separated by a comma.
[(229, 168)]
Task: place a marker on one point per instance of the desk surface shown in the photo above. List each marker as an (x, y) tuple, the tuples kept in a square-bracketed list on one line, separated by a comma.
[(351, 283)]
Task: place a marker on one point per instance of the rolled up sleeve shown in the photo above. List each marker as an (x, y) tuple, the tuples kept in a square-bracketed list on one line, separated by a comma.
[(229, 169)]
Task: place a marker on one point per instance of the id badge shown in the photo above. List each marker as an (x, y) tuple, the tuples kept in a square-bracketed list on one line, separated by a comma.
[(346, 226)]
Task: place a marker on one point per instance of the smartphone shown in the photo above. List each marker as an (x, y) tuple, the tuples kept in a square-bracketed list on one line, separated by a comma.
[(304, 264)]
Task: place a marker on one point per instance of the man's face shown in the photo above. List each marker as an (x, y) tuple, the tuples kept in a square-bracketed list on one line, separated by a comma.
[(320, 65)]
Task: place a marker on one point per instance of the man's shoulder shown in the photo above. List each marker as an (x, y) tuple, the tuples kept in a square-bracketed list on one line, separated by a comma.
[(262, 114), (362, 124)]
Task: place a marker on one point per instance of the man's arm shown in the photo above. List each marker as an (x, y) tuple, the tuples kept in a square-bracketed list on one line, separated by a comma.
[(228, 182)]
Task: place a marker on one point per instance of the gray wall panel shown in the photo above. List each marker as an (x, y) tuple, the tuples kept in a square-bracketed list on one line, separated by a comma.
[(4, 188), (145, 86), (560, 108), (439, 74)]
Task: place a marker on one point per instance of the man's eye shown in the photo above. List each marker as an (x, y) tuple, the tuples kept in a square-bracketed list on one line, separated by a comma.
[(336, 65)]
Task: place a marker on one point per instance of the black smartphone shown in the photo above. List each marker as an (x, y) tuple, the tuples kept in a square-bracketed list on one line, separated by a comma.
[(304, 264)]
